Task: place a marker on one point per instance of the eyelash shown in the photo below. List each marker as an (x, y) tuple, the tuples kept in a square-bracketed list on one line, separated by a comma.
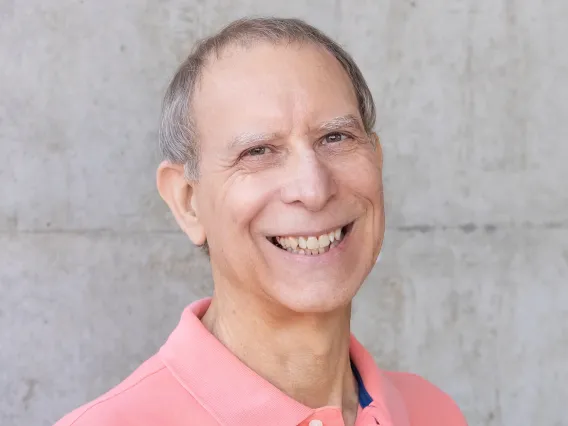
[(249, 151)]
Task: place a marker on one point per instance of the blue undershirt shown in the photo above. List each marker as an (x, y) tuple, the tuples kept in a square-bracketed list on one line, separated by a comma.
[(364, 397)]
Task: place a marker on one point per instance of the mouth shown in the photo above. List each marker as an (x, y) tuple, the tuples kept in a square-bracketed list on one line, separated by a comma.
[(312, 245)]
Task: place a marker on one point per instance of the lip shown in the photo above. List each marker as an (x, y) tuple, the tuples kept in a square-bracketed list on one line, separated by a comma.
[(327, 257), (312, 233)]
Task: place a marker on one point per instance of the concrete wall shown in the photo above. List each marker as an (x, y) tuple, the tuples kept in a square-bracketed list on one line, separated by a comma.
[(472, 287)]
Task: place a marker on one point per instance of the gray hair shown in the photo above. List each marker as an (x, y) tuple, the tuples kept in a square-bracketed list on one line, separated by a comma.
[(177, 135)]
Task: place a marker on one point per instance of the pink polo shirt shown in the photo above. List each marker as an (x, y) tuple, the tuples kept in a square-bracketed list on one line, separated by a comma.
[(195, 380)]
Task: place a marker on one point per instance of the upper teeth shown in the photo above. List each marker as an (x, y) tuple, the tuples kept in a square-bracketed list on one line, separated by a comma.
[(310, 242)]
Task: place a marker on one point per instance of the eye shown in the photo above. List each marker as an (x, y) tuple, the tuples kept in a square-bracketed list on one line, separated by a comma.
[(334, 138), (257, 150)]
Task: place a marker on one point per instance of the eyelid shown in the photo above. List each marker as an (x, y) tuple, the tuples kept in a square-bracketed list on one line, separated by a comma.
[(246, 152), (337, 132)]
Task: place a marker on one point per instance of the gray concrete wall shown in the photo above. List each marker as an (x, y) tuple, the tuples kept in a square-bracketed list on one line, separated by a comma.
[(472, 287)]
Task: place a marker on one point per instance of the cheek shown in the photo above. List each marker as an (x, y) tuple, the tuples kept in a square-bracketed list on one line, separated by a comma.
[(243, 199), (362, 175)]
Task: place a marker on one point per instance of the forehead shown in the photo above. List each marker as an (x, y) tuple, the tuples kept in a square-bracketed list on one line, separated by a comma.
[(269, 87)]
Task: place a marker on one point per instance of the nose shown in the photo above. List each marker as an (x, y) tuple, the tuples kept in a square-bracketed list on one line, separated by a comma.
[(310, 182)]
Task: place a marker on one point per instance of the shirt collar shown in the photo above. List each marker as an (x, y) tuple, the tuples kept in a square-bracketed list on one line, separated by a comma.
[(386, 398), (235, 395)]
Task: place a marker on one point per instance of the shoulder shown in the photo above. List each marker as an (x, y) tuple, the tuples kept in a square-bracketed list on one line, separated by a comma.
[(426, 404), (124, 403)]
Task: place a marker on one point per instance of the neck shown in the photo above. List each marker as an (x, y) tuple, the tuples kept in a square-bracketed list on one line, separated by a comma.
[(304, 355)]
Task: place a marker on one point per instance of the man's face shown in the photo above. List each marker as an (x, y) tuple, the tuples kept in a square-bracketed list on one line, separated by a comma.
[(290, 191)]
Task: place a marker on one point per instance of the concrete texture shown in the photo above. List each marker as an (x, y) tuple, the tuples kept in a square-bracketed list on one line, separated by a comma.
[(472, 287)]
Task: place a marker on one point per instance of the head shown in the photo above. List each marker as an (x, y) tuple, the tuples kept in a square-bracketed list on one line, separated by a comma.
[(271, 162)]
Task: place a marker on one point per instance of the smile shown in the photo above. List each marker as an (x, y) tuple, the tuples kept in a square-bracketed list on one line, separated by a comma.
[(312, 245)]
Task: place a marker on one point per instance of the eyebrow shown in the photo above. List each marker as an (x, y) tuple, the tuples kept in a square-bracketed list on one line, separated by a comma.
[(348, 121), (247, 139)]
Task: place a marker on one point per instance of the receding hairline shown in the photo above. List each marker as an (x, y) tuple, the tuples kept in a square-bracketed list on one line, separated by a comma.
[(232, 46)]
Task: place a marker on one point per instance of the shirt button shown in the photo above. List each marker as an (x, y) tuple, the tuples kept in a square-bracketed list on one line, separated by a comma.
[(316, 423)]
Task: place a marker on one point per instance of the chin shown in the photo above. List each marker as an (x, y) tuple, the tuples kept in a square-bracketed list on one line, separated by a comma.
[(313, 298)]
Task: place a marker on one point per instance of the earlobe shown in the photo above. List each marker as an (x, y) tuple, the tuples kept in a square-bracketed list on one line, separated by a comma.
[(179, 195)]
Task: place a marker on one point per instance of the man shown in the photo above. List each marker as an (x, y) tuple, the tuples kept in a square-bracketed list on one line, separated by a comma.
[(271, 164)]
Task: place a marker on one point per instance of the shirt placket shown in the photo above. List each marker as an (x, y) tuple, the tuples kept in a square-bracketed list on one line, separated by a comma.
[(370, 416)]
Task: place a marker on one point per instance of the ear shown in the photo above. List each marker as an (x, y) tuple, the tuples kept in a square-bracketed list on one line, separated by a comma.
[(378, 148), (179, 195)]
